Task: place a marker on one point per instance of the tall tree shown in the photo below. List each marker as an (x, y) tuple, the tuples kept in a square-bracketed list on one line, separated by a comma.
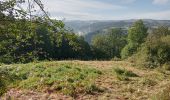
[(136, 36)]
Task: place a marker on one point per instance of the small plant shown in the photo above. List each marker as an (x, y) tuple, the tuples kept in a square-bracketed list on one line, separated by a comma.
[(2, 87), (148, 82), (123, 74), (92, 88)]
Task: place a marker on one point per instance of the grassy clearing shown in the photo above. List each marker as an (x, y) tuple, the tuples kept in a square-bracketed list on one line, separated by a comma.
[(85, 80), (68, 78)]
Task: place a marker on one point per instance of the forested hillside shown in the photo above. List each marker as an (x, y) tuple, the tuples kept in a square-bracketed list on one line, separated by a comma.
[(88, 29)]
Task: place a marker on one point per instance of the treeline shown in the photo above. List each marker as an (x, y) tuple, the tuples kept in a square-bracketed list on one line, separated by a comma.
[(144, 47), (24, 39)]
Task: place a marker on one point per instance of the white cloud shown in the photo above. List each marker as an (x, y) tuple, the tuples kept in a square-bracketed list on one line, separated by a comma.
[(160, 2), (78, 5), (127, 1), (157, 15), (156, 2), (139, 15), (77, 16), (79, 8), (99, 10), (148, 15)]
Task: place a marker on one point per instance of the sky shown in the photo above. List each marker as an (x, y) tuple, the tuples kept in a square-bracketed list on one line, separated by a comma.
[(108, 9)]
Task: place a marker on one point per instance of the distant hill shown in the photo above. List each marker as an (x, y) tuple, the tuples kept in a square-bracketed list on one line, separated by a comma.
[(90, 28)]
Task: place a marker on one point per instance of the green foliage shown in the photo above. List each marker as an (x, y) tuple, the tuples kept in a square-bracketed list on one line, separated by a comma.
[(110, 43), (40, 44), (136, 36), (22, 40), (156, 50), (128, 50)]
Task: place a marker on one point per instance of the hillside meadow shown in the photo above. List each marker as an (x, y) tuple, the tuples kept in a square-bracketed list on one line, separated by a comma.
[(115, 60), (102, 80)]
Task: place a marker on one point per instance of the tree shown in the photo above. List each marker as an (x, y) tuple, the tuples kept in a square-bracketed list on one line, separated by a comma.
[(25, 38), (136, 36), (156, 50), (111, 42)]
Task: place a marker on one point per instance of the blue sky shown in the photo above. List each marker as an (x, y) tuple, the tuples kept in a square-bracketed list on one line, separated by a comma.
[(108, 9)]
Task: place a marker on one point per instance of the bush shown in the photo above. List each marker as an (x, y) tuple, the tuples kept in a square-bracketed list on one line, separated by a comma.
[(128, 51), (153, 53)]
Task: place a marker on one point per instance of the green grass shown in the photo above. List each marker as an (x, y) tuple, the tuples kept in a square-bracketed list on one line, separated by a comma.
[(68, 78)]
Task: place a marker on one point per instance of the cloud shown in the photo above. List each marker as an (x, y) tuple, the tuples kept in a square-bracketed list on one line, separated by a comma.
[(139, 15), (156, 2), (78, 5), (77, 16), (127, 1), (157, 15), (79, 8), (147, 15), (100, 10), (160, 2)]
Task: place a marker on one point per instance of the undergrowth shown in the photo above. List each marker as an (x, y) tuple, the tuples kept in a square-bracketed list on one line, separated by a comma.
[(68, 79)]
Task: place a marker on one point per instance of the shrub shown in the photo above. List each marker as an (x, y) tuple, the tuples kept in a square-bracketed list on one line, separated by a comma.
[(128, 51), (123, 74), (92, 88), (154, 52)]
